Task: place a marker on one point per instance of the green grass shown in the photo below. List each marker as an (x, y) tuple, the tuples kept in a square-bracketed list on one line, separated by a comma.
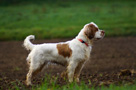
[(51, 84), (74, 86), (65, 19)]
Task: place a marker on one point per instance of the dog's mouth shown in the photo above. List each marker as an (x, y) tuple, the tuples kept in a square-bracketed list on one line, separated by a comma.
[(97, 38), (102, 36)]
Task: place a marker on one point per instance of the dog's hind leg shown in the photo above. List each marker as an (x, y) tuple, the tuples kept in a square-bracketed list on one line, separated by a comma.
[(28, 60), (33, 70), (28, 77)]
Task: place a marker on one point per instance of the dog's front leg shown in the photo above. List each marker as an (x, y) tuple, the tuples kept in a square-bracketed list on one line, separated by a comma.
[(78, 71), (71, 69)]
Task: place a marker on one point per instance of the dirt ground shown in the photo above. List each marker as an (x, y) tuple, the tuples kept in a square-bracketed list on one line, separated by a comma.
[(113, 60)]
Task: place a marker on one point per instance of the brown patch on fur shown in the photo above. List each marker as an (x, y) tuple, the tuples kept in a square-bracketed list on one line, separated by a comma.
[(64, 50), (90, 31)]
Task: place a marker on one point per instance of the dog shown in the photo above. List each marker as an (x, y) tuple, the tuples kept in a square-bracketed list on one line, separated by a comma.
[(73, 53)]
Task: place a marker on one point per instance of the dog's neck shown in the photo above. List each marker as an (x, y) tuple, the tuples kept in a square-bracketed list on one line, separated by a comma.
[(82, 36)]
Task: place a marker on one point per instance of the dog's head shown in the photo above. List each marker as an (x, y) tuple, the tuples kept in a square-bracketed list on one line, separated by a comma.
[(92, 31)]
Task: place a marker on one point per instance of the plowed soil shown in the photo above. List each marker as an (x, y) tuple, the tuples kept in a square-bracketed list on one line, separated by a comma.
[(113, 60)]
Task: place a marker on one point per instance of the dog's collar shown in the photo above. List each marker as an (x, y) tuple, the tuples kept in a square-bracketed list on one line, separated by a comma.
[(83, 42)]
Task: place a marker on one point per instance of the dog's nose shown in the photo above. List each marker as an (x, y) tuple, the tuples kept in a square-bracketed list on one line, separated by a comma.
[(102, 32)]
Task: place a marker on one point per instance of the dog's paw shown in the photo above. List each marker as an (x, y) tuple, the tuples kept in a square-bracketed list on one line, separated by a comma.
[(28, 83), (77, 80)]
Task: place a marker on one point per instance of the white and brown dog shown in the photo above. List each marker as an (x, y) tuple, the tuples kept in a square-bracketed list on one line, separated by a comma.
[(73, 53)]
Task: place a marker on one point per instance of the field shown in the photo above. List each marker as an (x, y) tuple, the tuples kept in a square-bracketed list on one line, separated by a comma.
[(108, 58), (57, 19), (112, 65)]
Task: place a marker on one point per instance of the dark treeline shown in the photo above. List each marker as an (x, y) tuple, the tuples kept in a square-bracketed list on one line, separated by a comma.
[(14, 2)]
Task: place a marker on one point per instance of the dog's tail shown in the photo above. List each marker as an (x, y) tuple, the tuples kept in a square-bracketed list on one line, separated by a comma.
[(27, 44)]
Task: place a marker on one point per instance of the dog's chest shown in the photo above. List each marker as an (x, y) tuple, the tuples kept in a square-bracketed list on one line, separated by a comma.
[(88, 52), (82, 52)]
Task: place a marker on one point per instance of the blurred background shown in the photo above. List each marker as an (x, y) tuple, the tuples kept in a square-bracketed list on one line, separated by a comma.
[(49, 19)]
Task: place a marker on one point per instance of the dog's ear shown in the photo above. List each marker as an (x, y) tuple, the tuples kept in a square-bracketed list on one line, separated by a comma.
[(88, 33), (90, 30)]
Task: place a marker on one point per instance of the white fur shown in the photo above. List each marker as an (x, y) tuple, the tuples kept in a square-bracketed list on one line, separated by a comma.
[(41, 54), (98, 35), (28, 45)]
